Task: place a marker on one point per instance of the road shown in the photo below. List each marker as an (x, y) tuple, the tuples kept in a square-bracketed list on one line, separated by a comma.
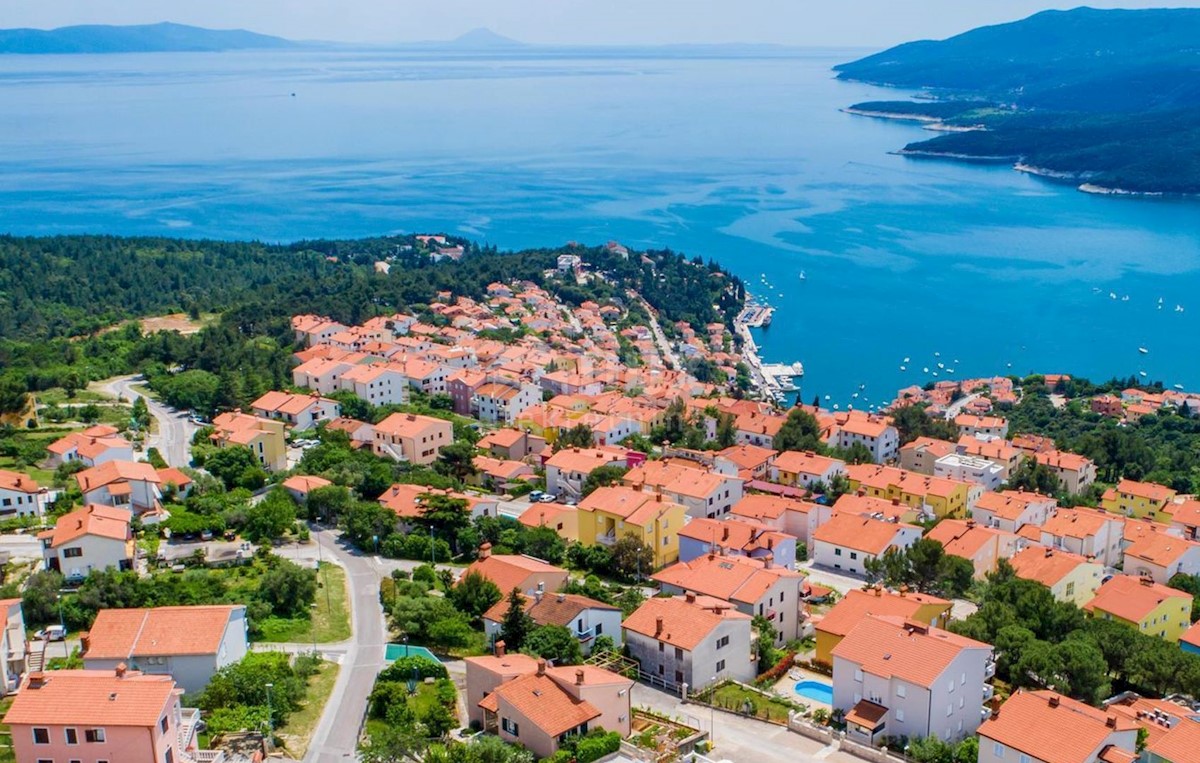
[(660, 338), (956, 407), (175, 431), (336, 737)]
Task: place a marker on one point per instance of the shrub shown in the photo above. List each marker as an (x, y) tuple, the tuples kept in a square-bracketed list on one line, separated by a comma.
[(777, 671), (402, 669)]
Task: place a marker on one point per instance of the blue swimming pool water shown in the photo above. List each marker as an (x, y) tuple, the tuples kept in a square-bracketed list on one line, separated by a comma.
[(816, 691), (396, 651)]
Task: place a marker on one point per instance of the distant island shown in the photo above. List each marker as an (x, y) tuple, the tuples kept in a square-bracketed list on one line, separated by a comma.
[(1106, 99), (145, 38)]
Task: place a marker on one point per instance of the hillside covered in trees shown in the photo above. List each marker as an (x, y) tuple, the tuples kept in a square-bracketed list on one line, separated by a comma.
[(1107, 97)]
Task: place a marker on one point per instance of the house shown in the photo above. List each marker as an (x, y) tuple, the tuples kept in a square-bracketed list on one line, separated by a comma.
[(91, 447), (21, 496), (264, 437), (1046, 726), (702, 493), (799, 519), (94, 537), (131, 485), (118, 715), (412, 438), (1155, 717), (736, 538), (12, 646), (361, 434), (755, 428), (1160, 556), (934, 496), (568, 469), (920, 454), (858, 603), (863, 505), (561, 518), (408, 501), (610, 513), (1082, 531), (377, 383), (970, 424), (746, 461), (323, 375), (486, 674), (1178, 745), (524, 573), (1010, 510), (1152, 608), (1190, 640), (499, 475), (1185, 518), (804, 469), (1070, 577), (876, 433), (300, 485), (584, 617), (1075, 473), (901, 678), (982, 546), (756, 588), (189, 644), (541, 710), (847, 541), (298, 411), (690, 640), (1131, 498), (964, 468), (501, 400), (511, 444)]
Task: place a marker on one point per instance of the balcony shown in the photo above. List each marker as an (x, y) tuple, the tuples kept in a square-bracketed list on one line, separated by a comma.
[(989, 670), (989, 691), (607, 539)]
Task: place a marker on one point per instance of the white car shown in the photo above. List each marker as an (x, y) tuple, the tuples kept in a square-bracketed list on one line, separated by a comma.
[(51, 633)]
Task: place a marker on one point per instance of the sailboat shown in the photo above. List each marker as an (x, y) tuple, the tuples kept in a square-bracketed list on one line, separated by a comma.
[(1143, 350), (802, 276)]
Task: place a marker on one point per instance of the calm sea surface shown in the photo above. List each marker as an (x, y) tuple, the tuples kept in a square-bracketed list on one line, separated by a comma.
[(744, 160)]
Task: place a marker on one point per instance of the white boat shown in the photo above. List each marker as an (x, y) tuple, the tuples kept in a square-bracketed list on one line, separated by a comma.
[(1179, 308), (902, 368), (1142, 373), (941, 365), (925, 370), (1179, 387), (906, 359), (1125, 298), (1143, 350), (935, 373), (1112, 295), (802, 276)]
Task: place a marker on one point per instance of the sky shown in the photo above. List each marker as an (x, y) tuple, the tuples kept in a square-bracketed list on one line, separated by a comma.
[(840, 23)]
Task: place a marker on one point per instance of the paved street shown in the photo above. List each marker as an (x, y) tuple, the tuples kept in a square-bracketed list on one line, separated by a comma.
[(174, 437)]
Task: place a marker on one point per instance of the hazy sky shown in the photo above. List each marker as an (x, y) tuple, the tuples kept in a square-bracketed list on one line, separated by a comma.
[(797, 22)]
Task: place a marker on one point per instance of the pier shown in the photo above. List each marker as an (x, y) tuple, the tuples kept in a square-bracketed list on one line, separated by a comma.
[(773, 380)]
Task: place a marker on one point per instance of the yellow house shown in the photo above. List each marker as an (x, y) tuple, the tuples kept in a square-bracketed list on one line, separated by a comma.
[(940, 496), (857, 604), (1070, 577), (562, 519), (610, 513), (264, 437), (1152, 608), (1139, 499)]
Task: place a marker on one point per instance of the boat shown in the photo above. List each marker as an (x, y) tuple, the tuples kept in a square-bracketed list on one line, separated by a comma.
[(802, 276), (906, 359), (1112, 295), (902, 368), (925, 370), (1143, 350), (1179, 308), (1125, 298), (1142, 373), (1179, 387)]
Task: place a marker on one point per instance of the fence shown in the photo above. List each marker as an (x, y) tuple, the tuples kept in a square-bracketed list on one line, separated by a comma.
[(874, 754), (804, 728)]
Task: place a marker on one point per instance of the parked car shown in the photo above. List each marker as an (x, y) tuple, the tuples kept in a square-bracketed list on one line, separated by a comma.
[(51, 633), (536, 495), (548, 498)]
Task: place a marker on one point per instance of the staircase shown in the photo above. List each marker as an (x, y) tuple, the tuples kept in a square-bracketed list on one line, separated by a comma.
[(35, 659)]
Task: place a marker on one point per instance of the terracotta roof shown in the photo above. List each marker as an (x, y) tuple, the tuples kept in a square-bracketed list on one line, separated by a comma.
[(1062, 461), (163, 631), (867, 505), (501, 438), (303, 483), (1132, 598), (583, 459), (1050, 727), (1045, 565), (684, 479), (509, 571), (1192, 636), (115, 471), (1160, 549), (18, 483), (797, 462), (872, 536), (1149, 490), (512, 664), (553, 609), (1178, 745), (1077, 523), (91, 698), (634, 506), (866, 714), (287, 402), (408, 425), (545, 514), (962, 537), (857, 604), (93, 519), (173, 476), (891, 647), (685, 624), (768, 506), (732, 578), (1009, 504), (546, 704), (743, 535)]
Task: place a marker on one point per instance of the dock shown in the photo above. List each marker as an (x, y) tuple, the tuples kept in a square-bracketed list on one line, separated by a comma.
[(772, 380), (783, 375), (756, 316)]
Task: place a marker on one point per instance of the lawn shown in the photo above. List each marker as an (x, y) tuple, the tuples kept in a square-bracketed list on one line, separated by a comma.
[(58, 396), (298, 731), (330, 616), (731, 696), (6, 750), (44, 477)]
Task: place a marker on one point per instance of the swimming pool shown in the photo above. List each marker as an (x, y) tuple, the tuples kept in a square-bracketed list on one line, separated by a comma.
[(816, 691), (396, 651)]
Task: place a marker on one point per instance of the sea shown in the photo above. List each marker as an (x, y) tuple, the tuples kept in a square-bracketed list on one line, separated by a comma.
[(910, 267)]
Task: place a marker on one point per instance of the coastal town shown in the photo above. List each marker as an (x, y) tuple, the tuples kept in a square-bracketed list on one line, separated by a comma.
[(550, 530)]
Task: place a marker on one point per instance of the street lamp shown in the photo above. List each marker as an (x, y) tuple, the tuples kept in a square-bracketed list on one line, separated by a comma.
[(270, 719), (404, 639), (712, 715), (313, 627)]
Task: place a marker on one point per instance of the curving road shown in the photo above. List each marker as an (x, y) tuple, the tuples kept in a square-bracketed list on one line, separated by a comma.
[(175, 430)]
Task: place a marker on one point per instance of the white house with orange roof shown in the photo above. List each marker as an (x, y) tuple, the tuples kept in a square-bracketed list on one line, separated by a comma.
[(500, 399), (189, 644), (871, 430), (757, 587), (1010, 510), (692, 640), (982, 546), (700, 537), (486, 673), (876, 600), (1070, 577), (315, 329), (847, 541), (998, 451), (897, 677), (804, 469), (745, 461), (511, 571), (94, 537), (361, 433), (920, 454), (21, 496), (299, 486), (1075, 473), (794, 517), (411, 437), (1082, 531), (756, 428), (568, 469), (586, 618), (322, 375), (131, 485), (91, 447), (971, 424), (299, 411), (377, 383), (1047, 726), (703, 493), (407, 501), (1160, 556), (13, 645)]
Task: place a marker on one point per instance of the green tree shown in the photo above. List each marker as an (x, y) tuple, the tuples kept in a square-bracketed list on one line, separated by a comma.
[(330, 502), (1083, 669), (553, 642), (544, 543), (39, 600), (271, 517), (578, 436), (631, 558), (603, 476), (140, 413), (288, 589), (800, 432), (236, 466), (444, 514), (456, 460), (474, 595), (517, 623), (1033, 476)]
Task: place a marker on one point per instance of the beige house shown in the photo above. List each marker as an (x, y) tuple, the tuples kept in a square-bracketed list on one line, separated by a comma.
[(1070, 577), (412, 438), (92, 538), (692, 640)]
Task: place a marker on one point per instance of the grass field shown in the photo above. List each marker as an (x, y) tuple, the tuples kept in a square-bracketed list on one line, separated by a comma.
[(298, 731), (734, 697), (330, 616)]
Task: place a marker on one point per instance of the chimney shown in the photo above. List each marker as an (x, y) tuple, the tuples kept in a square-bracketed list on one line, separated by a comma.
[(541, 667), (768, 561), (903, 590), (1147, 582), (411, 417), (658, 497), (917, 627), (485, 550), (878, 591), (85, 641), (658, 625), (539, 593), (1054, 700), (1049, 553), (499, 647), (690, 597), (579, 676), (561, 598), (1111, 721), (725, 533), (121, 669), (37, 680)]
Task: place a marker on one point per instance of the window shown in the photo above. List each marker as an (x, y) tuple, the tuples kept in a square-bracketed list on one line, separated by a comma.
[(722, 642), (901, 690), (997, 749), (71, 735), (837, 552), (853, 554), (900, 715), (858, 674), (678, 676), (720, 665), (599, 628), (661, 647), (72, 553), (678, 653), (510, 727), (41, 736), (164, 724), (93, 735)]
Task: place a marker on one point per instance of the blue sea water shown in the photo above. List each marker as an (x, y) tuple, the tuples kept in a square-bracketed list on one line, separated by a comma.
[(744, 160)]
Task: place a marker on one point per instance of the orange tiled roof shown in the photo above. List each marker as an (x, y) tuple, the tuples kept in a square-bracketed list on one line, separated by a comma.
[(871, 536), (1045, 565), (857, 604), (115, 471), (93, 519), (553, 609), (732, 578), (303, 483), (18, 483), (1160, 549), (126, 634), (1132, 598), (546, 704), (761, 506), (1179, 744), (685, 624), (91, 698), (891, 647), (1050, 727), (508, 571)]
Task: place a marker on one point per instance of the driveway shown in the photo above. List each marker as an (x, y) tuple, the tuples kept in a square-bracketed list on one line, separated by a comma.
[(175, 430)]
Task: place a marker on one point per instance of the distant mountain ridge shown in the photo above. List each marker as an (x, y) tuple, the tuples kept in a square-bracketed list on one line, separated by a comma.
[(146, 38), (1109, 99)]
